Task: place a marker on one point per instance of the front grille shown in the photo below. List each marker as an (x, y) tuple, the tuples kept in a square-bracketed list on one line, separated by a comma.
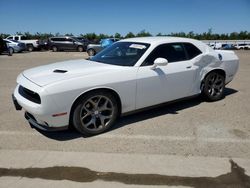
[(30, 95)]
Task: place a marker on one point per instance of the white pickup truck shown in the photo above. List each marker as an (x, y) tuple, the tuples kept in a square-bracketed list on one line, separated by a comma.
[(30, 44)]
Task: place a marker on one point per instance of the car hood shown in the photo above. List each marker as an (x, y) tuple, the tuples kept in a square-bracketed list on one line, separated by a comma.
[(56, 72)]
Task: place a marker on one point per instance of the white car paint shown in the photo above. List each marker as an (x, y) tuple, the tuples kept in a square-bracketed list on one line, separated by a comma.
[(23, 39), (242, 46), (137, 86), (16, 46)]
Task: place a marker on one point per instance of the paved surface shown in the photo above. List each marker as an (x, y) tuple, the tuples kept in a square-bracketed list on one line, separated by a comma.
[(187, 139)]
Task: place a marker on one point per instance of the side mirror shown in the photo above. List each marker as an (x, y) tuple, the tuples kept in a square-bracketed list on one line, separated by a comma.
[(159, 62)]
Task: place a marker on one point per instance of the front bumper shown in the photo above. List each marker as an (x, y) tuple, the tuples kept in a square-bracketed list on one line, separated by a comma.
[(42, 113), (17, 106), (35, 124)]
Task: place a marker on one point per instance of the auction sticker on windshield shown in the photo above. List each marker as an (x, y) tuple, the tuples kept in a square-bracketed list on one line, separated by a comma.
[(138, 46)]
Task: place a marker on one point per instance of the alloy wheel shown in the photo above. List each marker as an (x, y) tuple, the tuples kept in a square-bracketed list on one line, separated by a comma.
[(215, 85), (96, 113)]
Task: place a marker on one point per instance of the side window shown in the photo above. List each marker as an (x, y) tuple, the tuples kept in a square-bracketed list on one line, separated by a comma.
[(16, 38), (61, 39), (57, 39), (173, 52), (24, 38), (69, 40), (192, 50)]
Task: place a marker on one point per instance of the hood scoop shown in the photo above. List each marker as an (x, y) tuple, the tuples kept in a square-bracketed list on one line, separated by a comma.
[(60, 71)]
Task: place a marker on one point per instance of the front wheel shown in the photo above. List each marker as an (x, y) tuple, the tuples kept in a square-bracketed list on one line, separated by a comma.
[(214, 86), (10, 51), (91, 52), (95, 113)]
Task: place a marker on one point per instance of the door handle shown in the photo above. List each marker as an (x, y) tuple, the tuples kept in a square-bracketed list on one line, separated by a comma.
[(189, 67)]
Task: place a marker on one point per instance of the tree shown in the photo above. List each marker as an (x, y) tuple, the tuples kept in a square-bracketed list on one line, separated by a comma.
[(57, 34), (143, 33), (90, 36), (4, 35), (209, 35), (130, 35), (69, 34), (233, 35), (160, 34), (103, 36), (118, 35), (191, 34)]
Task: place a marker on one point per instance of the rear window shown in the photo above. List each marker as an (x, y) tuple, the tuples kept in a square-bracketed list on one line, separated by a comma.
[(192, 50)]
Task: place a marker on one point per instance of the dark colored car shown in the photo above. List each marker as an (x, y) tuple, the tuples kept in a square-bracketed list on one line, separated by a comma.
[(85, 41), (4, 48), (66, 43), (228, 47), (43, 44)]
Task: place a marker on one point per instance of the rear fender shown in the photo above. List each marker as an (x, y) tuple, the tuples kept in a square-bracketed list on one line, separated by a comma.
[(206, 63)]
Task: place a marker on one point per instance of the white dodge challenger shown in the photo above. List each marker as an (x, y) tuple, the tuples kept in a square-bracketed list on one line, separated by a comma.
[(130, 75)]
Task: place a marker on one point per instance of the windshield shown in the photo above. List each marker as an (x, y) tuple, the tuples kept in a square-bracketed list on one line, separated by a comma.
[(121, 53)]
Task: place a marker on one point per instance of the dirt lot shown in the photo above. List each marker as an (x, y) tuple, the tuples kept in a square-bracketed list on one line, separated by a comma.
[(190, 128)]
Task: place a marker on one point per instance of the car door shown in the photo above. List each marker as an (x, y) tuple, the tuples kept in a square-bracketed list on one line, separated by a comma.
[(62, 43), (165, 83), (69, 44)]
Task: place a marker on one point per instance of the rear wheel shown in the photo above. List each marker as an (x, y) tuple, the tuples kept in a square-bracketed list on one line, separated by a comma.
[(95, 113), (80, 49), (30, 47), (214, 86), (54, 49)]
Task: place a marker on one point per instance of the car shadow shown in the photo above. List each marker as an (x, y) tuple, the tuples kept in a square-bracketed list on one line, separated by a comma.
[(173, 108)]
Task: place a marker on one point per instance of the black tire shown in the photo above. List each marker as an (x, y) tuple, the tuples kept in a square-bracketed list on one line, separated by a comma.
[(80, 49), (213, 86), (10, 51), (30, 47), (95, 113), (54, 49), (91, 52)]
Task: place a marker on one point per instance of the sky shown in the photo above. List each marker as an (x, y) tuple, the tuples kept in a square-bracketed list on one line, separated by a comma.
[(123, 16)]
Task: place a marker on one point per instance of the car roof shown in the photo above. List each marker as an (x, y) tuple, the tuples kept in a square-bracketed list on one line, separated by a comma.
[(158, 40), (64, 37), (154, 41)]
